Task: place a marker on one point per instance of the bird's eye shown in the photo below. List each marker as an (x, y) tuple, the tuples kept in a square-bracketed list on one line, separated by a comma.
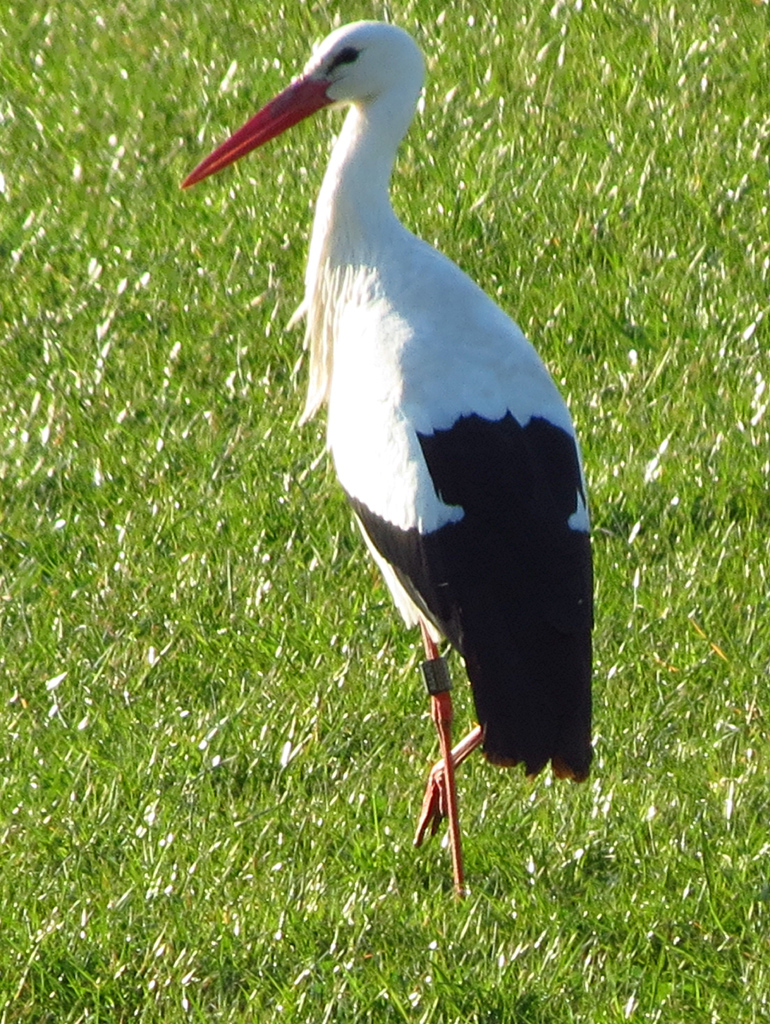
[(346, 56)]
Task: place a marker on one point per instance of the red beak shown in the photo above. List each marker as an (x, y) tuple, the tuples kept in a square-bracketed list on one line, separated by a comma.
[(298, 101)]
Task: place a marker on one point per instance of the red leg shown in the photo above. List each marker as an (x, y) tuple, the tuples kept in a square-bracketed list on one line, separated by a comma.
[(441, 795), (434, 804)]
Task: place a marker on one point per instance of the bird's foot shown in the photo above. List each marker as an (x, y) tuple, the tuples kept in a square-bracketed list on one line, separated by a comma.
[(434, 803)]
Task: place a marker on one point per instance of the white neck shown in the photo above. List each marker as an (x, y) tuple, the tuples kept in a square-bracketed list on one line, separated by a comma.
[(353, 213), (354, 225)]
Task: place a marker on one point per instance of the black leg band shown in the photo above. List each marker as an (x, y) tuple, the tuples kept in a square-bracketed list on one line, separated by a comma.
[(436, 675)]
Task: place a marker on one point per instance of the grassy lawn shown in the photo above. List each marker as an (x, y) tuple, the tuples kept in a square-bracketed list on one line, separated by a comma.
[(214, 733)]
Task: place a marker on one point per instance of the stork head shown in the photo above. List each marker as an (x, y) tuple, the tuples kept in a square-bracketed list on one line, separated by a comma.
[(357, 64), (365, 60)]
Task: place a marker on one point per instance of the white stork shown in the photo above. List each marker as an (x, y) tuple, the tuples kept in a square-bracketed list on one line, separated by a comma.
[(450, 439)]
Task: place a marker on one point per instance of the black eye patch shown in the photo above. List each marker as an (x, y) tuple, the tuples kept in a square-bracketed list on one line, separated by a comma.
[(346, 56)]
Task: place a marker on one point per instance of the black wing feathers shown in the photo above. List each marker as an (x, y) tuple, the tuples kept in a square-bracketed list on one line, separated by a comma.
[(509, 585)]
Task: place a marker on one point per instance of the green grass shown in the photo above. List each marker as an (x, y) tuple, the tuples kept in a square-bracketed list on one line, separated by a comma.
[(214, 733)]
